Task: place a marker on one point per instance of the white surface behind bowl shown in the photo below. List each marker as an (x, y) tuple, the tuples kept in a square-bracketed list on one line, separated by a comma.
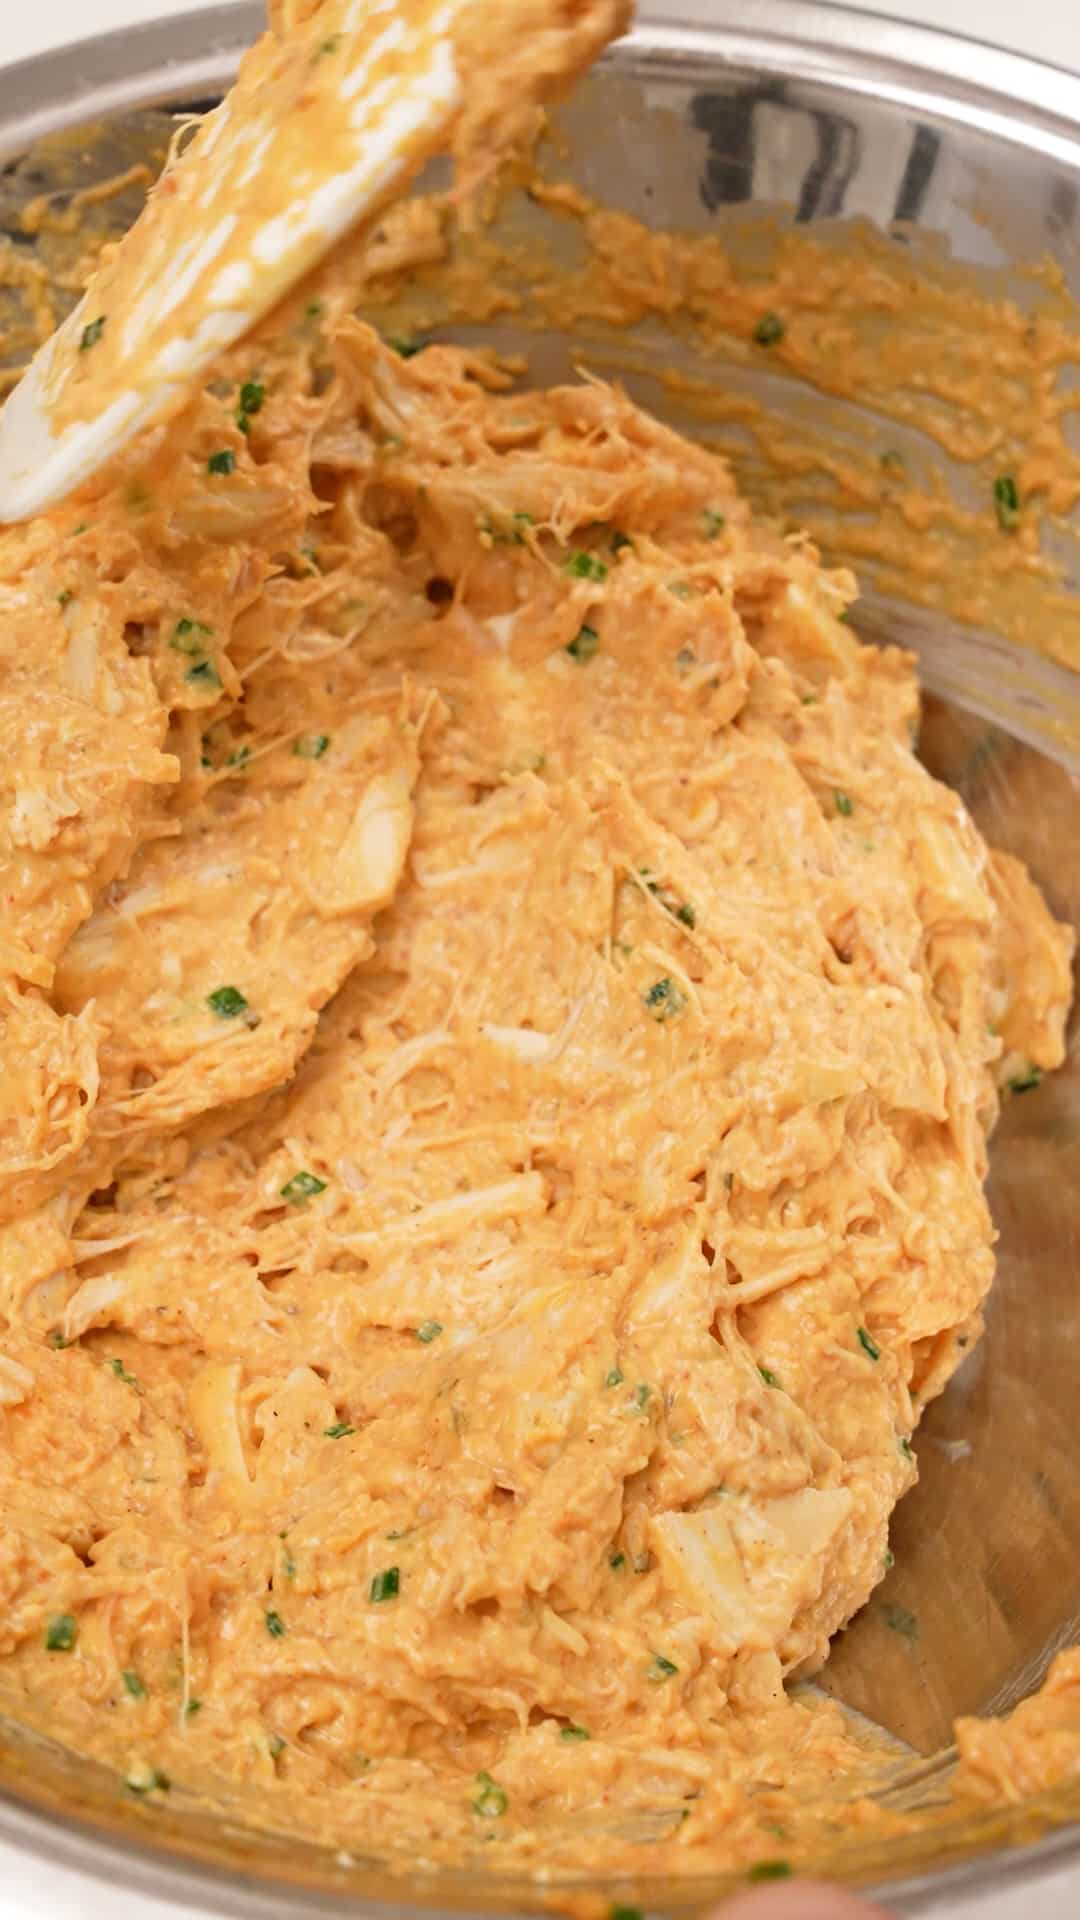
[(1045, 29)]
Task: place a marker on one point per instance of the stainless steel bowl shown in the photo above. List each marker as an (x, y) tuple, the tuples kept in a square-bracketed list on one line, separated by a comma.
[(828, 115)]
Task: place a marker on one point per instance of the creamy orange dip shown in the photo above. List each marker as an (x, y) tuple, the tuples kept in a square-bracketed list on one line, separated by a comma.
[(501, 1033)]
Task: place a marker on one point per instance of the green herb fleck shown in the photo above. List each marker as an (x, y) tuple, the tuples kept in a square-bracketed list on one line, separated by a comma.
[(585, 566), (339, 1431), (56, 1339), (122, 1373), (1026, 1080), (680, 588), (770, 1378), (330, 46), (386, 1585), (868, 1346), (275, 1625), (769, 330), (619, 540), (92, 334), (275, 1745), (625, 1913), (224, 461), (664, 999), (491, 1802), (844, 803), (573, 1733), (227, 1002), (204, 674), (186, 635), (905, 1448), (614, 1378), (303, 1186), (64, 599), (662, 1668), (143, 1779), (133, 1683), (288, 1564), (584, 644), (311, 746), (1007, 503), (430, 1331), (892, 461), (890, 1559), (901, 1621), (642, 1396), (252, 396), (61, 1633), (405, 347), (616, 1561), (193, 1707), (769, 1870), (714, 522), (313, 310)]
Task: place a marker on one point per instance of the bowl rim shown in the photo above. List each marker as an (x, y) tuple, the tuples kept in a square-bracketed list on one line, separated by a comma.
[(190, 57)]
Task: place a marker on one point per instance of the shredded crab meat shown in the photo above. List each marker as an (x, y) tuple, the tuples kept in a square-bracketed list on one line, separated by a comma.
[(498, 1067)]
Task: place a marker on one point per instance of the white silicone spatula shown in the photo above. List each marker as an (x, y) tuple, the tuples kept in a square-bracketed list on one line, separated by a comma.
[(333, 111)]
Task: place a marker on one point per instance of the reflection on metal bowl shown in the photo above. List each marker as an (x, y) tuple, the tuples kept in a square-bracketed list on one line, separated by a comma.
[(824, 117)]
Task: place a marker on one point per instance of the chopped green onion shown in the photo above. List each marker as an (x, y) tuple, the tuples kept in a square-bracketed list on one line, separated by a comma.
[(1007, 503), (902, 1621), (430, 1331), (405, 347), (311, 746), (642, 1396), (662, 1668), (288, 1564), (614, 1378), (906, 1448), (616, 1561), (625, 1913), (303, 1186), (585, 566), (770, 1378), (1026, 1080), (275, 1625), (193, 1707), (226, 1002), (769, 330), (133, 1683), (61, 1633), (223, 461), (122, 1373), (92, 334), (143, 1779), (573, 1733), (714, 522), (769, 1870), (843, 802), (664, 999), (584, 644), (868, 1346), (340, 1431), (56, 1339), (386, 1585), (252, 396), (491, 1802)]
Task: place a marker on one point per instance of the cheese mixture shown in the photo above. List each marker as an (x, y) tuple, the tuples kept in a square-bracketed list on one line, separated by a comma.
[(500, 1033)]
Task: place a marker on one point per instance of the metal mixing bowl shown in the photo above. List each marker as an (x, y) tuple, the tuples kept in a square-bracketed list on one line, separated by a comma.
[(830, 114)]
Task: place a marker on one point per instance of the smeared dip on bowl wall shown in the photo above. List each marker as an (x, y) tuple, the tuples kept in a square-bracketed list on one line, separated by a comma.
[(501, 1036)]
